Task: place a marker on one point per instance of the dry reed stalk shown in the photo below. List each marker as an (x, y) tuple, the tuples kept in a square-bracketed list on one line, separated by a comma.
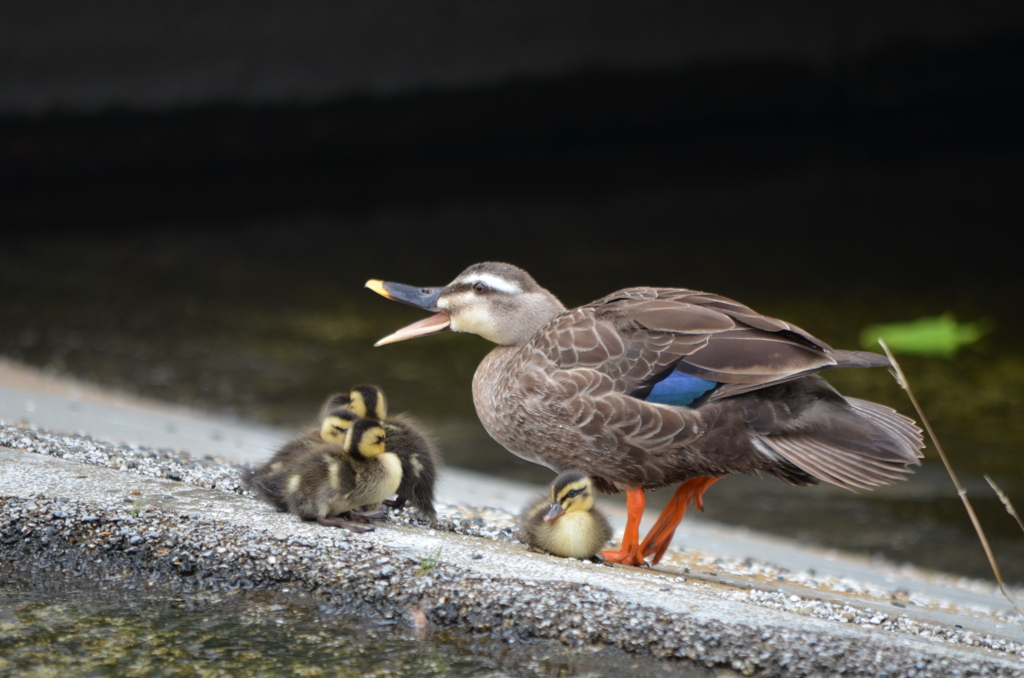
[(901, 379), (1006, 501)]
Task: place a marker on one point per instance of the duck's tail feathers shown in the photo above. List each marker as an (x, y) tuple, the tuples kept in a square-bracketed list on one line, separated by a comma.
[(860, 359), (902, 428), (859, 447)]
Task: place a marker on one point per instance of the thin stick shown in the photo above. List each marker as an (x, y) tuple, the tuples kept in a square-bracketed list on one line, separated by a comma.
[(901, 379), (1006, 501)]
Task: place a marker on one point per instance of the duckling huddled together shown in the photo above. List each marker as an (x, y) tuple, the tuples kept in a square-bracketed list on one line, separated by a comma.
[(341, 472)]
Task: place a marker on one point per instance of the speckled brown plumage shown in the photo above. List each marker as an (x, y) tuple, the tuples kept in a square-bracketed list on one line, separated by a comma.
[(568, 398), (569, 389)]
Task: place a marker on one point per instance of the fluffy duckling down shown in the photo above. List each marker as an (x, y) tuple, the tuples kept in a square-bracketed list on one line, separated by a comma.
[(565, 522), (331, 482), (406, 438), (267, 480)]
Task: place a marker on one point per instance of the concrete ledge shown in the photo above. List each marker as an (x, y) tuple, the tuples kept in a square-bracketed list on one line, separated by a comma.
[(61, 517), (152, 516)]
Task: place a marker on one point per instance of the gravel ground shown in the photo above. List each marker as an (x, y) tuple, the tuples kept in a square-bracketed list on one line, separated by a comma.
[(158, 519)]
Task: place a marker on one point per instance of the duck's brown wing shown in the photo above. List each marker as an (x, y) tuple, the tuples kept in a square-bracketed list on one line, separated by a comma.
[(591, 363), (636, 334)]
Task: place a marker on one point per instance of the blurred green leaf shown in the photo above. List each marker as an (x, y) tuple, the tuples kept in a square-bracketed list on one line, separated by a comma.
[(932, 337)]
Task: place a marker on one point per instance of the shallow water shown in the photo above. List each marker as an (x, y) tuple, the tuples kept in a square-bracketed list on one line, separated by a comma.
[(249, 635), (263, 318), (62, 630)]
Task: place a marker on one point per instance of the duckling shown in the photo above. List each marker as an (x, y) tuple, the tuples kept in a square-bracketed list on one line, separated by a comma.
[(420, 461), (369, 401), (267, 480), (366, 401), (329, 482), (413, 445), (565, 522), (335, 424)]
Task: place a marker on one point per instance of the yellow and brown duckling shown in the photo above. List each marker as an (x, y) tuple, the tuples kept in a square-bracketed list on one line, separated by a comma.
[(331, 482), (405, 438), (366, 401), (420, 461), (267, 480), (565, 522)]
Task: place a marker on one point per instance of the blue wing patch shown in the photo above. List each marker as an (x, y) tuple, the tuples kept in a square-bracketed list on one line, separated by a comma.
[(679, 389)]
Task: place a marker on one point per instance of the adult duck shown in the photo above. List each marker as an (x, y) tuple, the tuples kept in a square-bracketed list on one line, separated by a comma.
[(651, 386)]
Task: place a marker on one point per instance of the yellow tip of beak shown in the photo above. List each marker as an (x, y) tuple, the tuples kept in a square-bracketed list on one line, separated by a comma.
[(378, 287)]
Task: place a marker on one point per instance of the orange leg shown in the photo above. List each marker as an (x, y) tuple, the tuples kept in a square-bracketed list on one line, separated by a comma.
[(657, 540), (629, 552)]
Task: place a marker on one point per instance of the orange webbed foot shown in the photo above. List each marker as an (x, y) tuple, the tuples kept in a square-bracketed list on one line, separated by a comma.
[(625, 556), (660, 536), (629, 552)]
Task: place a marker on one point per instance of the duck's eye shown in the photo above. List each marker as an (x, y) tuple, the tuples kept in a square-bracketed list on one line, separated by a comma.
[(480, 287)]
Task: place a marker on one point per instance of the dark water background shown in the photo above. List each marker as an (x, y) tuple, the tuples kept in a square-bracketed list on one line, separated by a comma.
[(262, 315)]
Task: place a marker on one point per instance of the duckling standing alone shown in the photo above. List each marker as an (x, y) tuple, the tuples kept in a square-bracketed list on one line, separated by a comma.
[(331, 481), (413, 445), (565, 522)]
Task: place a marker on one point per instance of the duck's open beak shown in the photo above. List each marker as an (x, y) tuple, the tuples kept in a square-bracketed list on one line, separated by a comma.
[(420, 297), (555, 511)]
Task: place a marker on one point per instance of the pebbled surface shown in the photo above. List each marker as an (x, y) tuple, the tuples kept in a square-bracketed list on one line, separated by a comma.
[(60, 517)]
